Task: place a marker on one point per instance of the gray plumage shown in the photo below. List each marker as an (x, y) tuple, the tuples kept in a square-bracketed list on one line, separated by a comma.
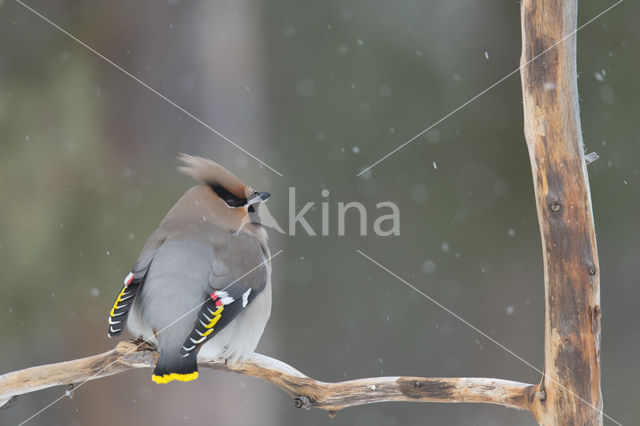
[(205, 253)]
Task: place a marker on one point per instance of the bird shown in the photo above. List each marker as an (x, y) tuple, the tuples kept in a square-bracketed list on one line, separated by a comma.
[(202, 283)]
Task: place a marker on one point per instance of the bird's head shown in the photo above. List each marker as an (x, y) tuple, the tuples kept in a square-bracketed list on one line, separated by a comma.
[(226, 187)]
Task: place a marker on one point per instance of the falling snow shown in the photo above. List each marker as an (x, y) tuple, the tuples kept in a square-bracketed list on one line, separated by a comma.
[(306, 87), (429, 266), (346, 14), (384, 91), (288, 31), (419, 193)]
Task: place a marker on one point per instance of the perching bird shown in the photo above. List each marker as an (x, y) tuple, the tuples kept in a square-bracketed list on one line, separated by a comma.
[(203, 280)]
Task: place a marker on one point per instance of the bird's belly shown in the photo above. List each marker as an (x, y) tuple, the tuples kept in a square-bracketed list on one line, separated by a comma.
[(139, 328)]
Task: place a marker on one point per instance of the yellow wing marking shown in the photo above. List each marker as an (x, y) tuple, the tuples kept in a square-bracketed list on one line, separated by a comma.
[(216, 317), (118, 299)]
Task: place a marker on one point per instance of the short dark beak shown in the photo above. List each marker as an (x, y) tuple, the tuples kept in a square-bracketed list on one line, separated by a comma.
[(258, 197), (264, 195)]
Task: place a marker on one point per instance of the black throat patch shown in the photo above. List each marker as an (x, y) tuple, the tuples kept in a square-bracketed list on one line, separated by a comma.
[(253, 215)]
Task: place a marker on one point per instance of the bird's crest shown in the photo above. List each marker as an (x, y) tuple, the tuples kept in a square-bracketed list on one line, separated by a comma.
[(213, 174)]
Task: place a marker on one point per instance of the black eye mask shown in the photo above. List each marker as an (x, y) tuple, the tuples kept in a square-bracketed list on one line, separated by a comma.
[(228, 197)]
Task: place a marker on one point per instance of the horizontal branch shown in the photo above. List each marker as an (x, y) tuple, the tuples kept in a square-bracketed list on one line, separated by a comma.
[(306, 391)]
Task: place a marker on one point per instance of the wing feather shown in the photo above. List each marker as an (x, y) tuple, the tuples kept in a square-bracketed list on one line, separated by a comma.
[(132, 285), (216, 313)]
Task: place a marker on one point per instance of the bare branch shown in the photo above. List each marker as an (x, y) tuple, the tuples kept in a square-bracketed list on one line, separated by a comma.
[(306, 391), (571, 381)]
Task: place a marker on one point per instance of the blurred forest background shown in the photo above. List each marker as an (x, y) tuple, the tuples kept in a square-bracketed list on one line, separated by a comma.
[(318, 91)]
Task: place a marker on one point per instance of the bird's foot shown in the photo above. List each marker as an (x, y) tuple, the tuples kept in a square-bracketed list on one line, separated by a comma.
[(143, 345)]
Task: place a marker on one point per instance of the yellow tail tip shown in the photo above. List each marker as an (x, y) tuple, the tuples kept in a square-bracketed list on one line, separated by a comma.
[(166, 378), (184, 377)]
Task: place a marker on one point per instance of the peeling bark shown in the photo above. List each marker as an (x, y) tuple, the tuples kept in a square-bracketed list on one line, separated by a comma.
[(571, 384)]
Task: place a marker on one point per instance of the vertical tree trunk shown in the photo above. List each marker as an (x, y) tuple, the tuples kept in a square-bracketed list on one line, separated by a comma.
[(570, 389)]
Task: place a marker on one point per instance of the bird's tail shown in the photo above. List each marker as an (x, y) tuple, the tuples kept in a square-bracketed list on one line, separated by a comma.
[(171, 366)]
